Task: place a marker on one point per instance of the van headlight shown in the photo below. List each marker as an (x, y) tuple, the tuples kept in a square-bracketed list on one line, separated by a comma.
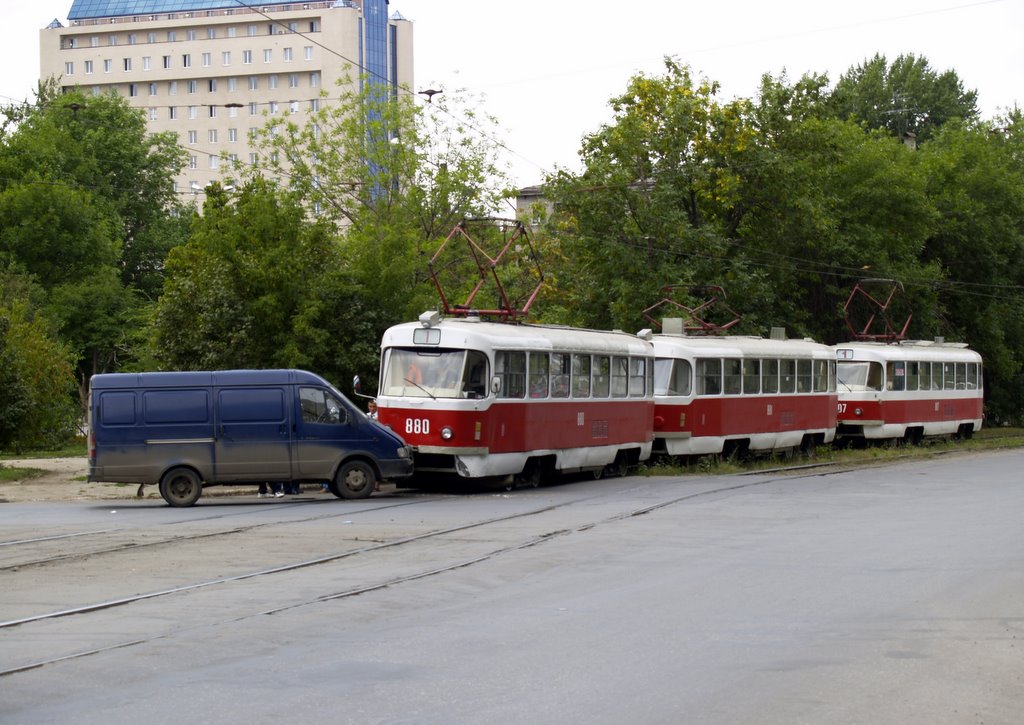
[(404, 452)]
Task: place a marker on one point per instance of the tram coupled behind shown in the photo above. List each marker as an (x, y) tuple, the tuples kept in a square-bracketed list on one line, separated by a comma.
[(506, 403), (908, 390), (736, 395)]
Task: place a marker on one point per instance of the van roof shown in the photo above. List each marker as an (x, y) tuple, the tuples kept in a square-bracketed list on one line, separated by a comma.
[(204, 378)]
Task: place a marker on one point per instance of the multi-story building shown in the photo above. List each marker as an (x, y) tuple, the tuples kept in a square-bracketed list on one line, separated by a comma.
[(212, 71)]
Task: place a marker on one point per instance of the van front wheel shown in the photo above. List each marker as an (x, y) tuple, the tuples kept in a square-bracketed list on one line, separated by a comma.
[(181, 487), (355, 479)]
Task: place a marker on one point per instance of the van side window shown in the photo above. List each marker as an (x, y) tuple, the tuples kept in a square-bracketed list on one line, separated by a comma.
[(319, 406), (117, 408)]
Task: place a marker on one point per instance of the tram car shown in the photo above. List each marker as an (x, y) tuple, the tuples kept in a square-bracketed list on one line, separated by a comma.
[(508, 403), (735, 395), (908, 390)]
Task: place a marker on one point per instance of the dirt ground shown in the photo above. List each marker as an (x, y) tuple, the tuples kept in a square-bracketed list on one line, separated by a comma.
[(64, 480)]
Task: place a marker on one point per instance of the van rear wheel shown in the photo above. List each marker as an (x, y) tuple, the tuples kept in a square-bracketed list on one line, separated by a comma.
[(181, 487), (355, 479)]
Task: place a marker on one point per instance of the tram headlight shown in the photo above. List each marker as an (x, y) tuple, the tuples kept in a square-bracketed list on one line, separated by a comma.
[(858, 411), (447, 433)]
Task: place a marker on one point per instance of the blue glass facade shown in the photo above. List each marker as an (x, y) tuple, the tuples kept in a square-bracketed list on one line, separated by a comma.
[(84, 9)]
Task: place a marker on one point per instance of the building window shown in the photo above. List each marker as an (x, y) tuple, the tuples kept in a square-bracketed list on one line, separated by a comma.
[(287, 55), (152, 89), (273, 107), (207, 60), (293, 106), (254, 83), (253, 108), (232, 84), (152, 114), (252, 30), (128, 64), (94, 41), (133, 90), (314, 104), (132, 39), (193, 138), (172, 88), (213, 112), (69, 69), (293, 80), (190, 34), (88, 67), (186, 60), (268, 55), (147, 62), (172, 113), (314, 26), (112, 40), (171, 36), (308, 52), (167, 61), (108, 65), (212, 85), (192, 86), (193, 112), (211, 33), (253, 158), (232, 32), (232, 135), (225, 57), (314, 80), (214, 161), (213, 135), (272, 82), (247, 57), (193, 162), (151, 37)]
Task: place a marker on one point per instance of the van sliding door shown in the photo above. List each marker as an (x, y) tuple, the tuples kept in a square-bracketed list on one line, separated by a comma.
[(253, 434)]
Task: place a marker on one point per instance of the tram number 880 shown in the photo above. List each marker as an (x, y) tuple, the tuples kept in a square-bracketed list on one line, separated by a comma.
[(418, 426)]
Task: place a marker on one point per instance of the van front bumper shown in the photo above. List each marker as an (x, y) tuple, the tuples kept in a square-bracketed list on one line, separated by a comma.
[(395, 468)]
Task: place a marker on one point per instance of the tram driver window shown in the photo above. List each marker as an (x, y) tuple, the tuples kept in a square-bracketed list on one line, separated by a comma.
[(474, 384), (672, 377)]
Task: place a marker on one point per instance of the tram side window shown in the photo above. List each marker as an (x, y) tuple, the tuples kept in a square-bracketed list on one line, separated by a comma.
[(821, 375), (602, 376), (474, 384), (961, 376), (948, 376), (732, 375), (581, 376), (620, 377), (561, 364), (913, 374), (804, 383), (972, 376), (637, 376), (769, 376), (787, 376), (709, 376), (896, 375), (925, 373), (510, 367), (936, 376), (538, 375), (751, 376)]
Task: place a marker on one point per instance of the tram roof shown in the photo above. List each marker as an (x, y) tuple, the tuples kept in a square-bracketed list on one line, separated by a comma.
[(908, 350), (738, 346), (461, 332)]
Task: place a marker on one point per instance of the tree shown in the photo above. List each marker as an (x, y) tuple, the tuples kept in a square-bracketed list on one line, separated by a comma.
[(905, 97), (259, 285)]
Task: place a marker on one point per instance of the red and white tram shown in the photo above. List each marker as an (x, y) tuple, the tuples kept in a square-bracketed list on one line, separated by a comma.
[(510, 402), (737, 394), (908, 389)]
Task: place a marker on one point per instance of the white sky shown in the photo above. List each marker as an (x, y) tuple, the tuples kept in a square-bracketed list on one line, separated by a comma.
[(546, 68)]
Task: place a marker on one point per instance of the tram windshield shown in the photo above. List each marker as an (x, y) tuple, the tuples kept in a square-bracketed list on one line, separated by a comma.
[(435, 373), (860, 375), (672, 377)]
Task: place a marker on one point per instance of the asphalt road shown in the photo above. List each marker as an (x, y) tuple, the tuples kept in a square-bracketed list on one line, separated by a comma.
[(885, 595)]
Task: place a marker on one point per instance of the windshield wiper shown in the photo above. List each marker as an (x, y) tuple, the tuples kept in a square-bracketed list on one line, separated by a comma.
[(413, 382)]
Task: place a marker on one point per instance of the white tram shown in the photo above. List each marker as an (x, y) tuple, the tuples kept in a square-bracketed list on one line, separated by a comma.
[(737, 394), (510, 402), (908, 389)]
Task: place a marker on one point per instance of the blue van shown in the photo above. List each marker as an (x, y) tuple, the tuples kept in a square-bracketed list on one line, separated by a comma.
[(188, 430)]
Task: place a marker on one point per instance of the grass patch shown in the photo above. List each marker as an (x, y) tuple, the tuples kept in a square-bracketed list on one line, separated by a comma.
[(72, 449), (8, 474)]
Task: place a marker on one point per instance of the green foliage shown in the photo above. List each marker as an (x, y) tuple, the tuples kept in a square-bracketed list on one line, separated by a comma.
[(36, 381)]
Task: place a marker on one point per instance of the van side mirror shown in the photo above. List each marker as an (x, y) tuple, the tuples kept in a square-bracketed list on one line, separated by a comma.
[(496, 384)]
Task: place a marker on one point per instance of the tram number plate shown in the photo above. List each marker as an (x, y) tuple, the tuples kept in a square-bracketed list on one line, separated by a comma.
[(419, 426), (842, 408)]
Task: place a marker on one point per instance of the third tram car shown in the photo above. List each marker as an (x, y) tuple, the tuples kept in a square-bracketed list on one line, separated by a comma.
[(908, 390), (732, 395), (508, 403)]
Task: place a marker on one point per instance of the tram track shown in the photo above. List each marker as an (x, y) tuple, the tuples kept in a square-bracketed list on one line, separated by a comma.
[(527, 539)]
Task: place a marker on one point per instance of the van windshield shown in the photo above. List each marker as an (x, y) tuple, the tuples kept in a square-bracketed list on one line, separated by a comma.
[(434, 373)]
